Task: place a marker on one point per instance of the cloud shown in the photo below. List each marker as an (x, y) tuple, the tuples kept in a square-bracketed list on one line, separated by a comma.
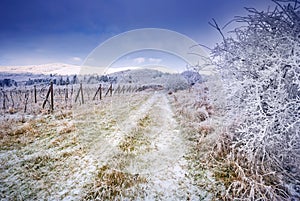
[(154, 60), (76, 58), (139, 60)]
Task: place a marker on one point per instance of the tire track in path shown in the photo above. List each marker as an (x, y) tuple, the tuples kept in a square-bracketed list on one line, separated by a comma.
[(157, 151), (148, 144)]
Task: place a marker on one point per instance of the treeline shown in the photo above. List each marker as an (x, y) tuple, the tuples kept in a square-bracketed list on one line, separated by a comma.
[(57, 80), (8, 83)]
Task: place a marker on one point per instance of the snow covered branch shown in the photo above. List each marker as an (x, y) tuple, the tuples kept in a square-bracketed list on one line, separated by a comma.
[(260, 67)]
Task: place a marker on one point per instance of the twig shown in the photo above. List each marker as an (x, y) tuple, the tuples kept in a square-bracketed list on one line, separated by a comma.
[(216, 26)]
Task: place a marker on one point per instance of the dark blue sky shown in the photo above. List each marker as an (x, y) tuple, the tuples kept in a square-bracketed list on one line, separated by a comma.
[(41, 31)]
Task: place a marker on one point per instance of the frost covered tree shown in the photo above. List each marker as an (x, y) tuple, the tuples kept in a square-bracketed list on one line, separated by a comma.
[(260, 67), (174, 82)]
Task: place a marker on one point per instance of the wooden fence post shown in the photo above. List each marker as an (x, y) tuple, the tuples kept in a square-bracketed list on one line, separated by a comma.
[(110, 89), (52, 96), (77, 95), (34, 91), (99, 90), (26, 100), (80, 91), (50, 92), (66, 95), (129, 89), (123, 89), (12, 99), (4, 105), (117, 90), (134, 89)]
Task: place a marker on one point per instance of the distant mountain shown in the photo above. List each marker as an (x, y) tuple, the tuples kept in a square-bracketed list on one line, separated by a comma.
[(47, 69), (154, 67), (62, 74), (68, 69), (139, 76), (152, 78)]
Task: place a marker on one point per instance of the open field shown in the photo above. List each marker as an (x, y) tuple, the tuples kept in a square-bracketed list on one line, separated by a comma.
[(142, 146)]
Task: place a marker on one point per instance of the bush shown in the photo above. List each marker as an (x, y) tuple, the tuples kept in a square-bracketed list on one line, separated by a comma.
[(260, 68), (175, 82)]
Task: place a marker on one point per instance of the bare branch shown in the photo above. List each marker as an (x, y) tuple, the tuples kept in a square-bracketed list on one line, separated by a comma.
[(201, 45), (216, 26)]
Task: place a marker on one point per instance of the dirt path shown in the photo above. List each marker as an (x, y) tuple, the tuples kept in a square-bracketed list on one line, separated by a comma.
[(165, 166), (149, 143), (150, 136)]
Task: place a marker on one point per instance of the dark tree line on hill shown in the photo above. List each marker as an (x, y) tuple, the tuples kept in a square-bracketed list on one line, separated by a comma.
[(57, 80), (8, 83)]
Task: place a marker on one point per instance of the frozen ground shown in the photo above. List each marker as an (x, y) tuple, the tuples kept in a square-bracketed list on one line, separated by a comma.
[(126, 147)]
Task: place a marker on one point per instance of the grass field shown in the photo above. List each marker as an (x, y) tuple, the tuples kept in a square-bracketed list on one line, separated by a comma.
[(144, 146)]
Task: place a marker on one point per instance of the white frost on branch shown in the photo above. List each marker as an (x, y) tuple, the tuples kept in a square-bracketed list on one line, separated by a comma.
[(260, 68)]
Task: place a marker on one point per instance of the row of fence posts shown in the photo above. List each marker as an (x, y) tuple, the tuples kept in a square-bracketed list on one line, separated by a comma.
[(5, 98), (50, 96), (79, 93)]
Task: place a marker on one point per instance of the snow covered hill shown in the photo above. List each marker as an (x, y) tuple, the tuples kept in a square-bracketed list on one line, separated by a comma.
[(53, 68)]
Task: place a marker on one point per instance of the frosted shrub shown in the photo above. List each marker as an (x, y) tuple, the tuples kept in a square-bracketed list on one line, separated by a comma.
[(260, 68), (176, 82)]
